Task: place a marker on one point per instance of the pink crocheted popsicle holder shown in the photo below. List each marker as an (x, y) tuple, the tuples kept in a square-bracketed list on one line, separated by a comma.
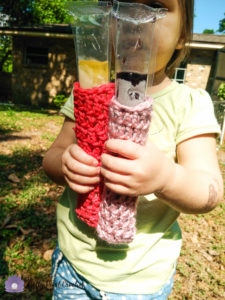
[(117, 222), (91, 119)]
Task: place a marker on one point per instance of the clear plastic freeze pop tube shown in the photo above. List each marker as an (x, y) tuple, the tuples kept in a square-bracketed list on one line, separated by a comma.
[(131, 108), (91, 23), (135, 50)]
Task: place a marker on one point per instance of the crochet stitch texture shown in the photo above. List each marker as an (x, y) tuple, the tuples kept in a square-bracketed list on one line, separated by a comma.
[(91, 118), (117, 223)]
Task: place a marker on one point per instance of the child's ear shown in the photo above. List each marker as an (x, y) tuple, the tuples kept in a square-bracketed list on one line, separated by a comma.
[(180, 43)]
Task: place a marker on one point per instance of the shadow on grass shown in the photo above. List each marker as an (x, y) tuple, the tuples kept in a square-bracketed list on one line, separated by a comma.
[(4, 130), (25, 108), (27, 223), (12, 137), (22, 161)]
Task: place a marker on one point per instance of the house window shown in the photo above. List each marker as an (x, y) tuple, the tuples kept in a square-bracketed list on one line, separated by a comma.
[(180, 74), (36, 56)]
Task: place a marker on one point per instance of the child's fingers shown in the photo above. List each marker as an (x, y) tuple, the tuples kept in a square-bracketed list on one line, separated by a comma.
[(116, 164), (79, 154), (116, 177), (81, 189), (77, 167), (120, 189), (82, 180), (124, 148)]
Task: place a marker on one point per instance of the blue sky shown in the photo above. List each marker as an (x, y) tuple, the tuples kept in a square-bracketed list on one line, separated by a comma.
[(208, 13)]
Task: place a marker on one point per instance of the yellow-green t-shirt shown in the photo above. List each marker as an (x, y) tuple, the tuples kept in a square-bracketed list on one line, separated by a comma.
[(147, 263)]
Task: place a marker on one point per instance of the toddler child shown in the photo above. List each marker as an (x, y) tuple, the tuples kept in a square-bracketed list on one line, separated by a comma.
[(175, 171)]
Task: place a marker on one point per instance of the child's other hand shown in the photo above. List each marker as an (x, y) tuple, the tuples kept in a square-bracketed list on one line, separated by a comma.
[(141, 169), (80, 169)]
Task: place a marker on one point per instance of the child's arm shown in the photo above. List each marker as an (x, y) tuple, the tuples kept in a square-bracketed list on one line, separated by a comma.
[(193, 185), (66, 163)]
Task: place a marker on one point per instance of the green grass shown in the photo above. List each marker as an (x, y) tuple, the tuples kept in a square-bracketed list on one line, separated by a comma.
[(28, 206), (28, 218), (13, 117)]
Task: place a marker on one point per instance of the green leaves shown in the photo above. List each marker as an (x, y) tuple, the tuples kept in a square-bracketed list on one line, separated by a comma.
[(5, 53), (221, 28), (49, 11), (208, 31), (221, 91), (30, 12), (222, 25)]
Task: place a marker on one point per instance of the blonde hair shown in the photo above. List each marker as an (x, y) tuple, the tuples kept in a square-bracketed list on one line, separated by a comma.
[(187, 15)]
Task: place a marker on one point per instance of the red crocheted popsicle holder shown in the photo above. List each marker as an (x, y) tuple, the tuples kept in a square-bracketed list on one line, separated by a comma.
[(117, 222), (91, 119)]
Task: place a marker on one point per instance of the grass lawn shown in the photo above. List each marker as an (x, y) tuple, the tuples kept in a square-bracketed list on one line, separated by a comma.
[(28, 224)]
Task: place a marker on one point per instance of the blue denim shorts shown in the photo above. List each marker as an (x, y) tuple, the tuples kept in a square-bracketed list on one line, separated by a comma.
[(68, 284)]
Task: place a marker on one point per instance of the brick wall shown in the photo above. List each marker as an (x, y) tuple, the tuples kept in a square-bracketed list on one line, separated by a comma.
[(33, 84), (200, 67), (197, 75), (39, 84)]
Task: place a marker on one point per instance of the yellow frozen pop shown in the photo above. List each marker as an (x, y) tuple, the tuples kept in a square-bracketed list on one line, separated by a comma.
[(93, 73)]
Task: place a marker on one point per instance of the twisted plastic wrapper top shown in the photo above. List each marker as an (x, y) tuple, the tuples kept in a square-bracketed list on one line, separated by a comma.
[(130, 110)]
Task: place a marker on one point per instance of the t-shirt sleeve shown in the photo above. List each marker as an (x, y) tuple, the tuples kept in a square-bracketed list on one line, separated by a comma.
[(196, 116), (68, 107)]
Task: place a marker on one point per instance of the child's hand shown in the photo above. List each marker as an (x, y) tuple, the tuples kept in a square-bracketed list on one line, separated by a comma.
[(80, 169), (140, 170)]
